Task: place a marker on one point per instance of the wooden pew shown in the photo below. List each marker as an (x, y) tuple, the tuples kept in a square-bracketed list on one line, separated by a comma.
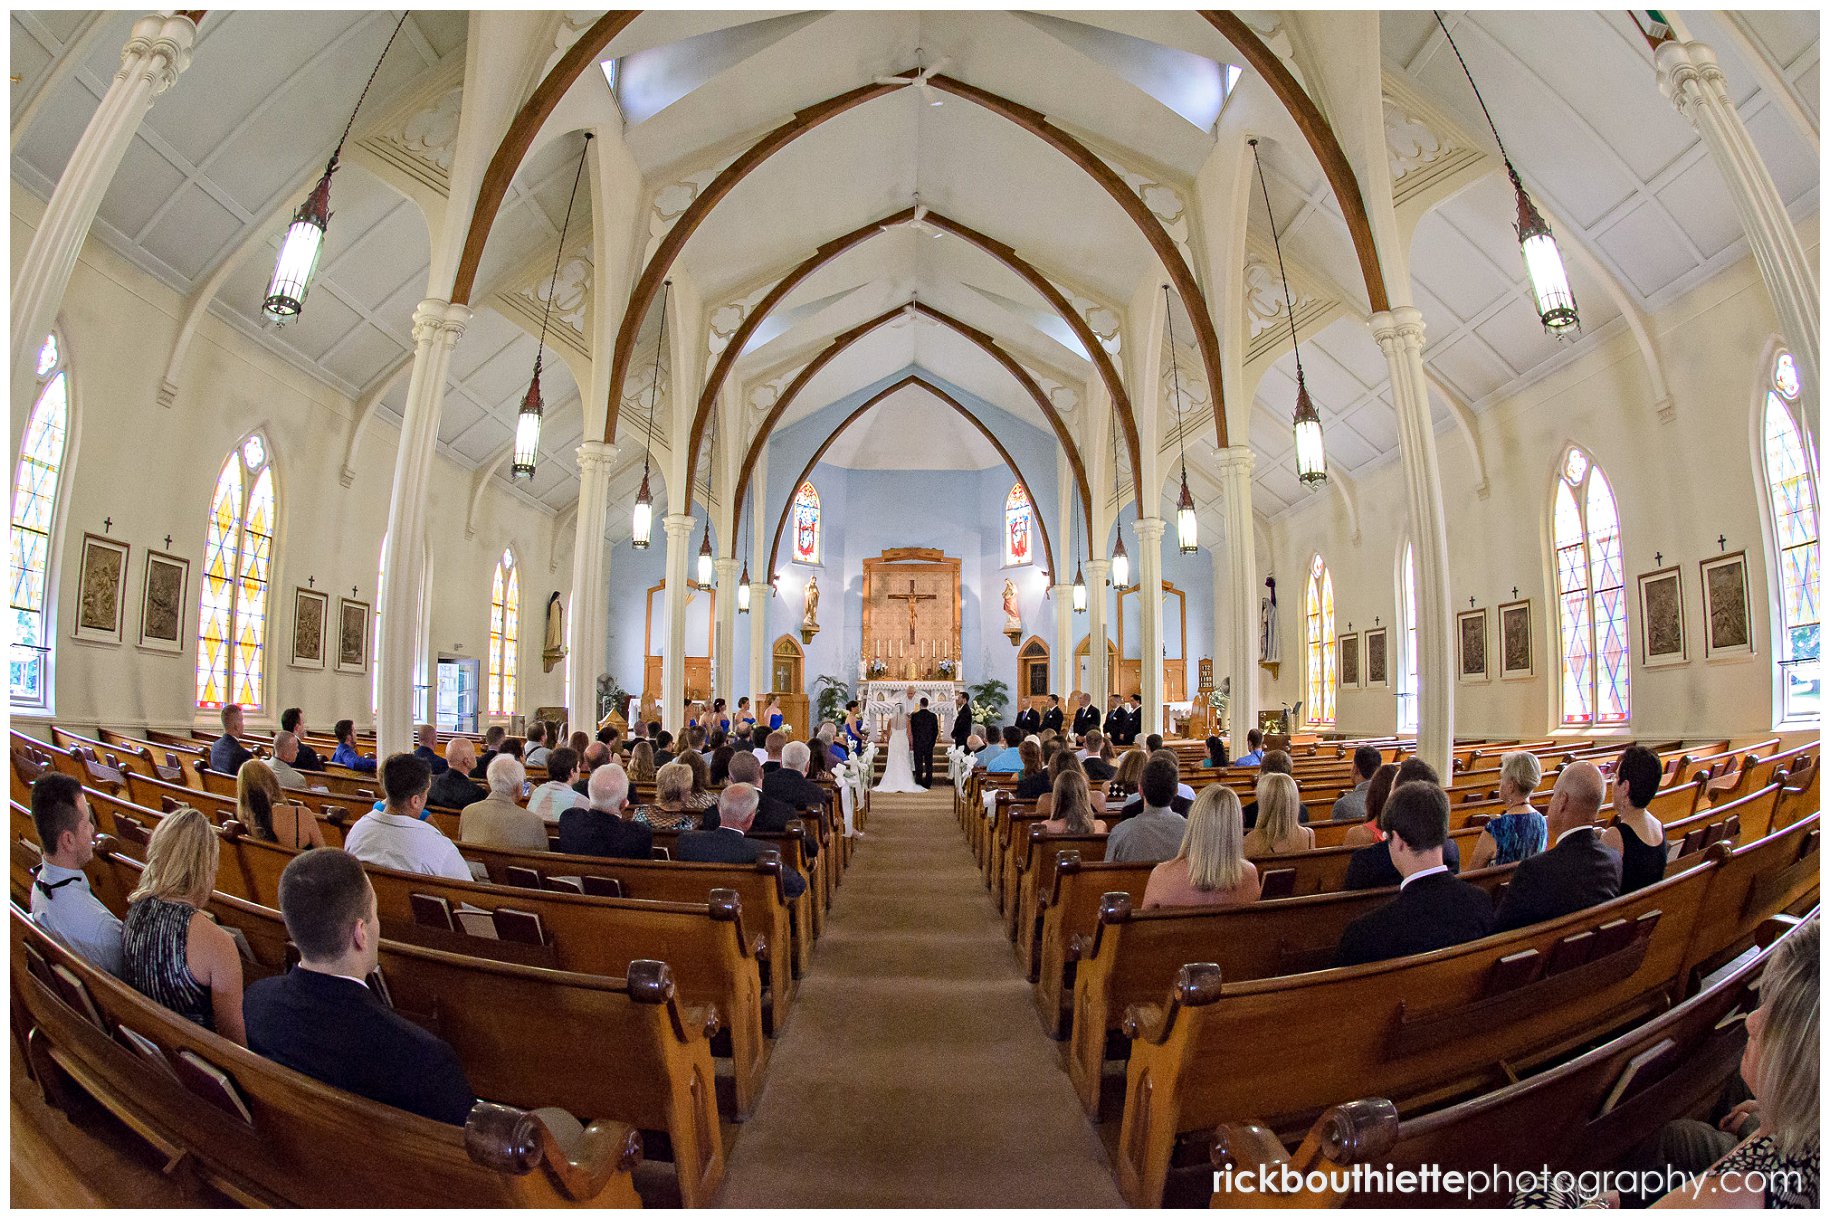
[(1568, 1117), (623, 1049), (294, 1146), (1068, 903)]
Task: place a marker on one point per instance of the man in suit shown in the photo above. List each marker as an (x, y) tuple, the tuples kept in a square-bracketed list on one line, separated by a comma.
[(603, 826), (1371, 867), (1433, 909), (1134, 717), (1578, 871), (962, 719), (1029, 720), (1052, 718), (727, 844), (226, 751), (773, 815), (924, 730), (454, 788), (321, 1019), (292, 720), (1114, 725), (1352, 804), (788, 781), (426, 749), (1086, 715)]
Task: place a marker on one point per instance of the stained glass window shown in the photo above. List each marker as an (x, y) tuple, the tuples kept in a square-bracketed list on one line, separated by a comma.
[(237, 562), (1791, 475), (807, 524), (41, 461), (1591, 597), (1407, 642), (504, 632), (1318, 635), (1019, 514)]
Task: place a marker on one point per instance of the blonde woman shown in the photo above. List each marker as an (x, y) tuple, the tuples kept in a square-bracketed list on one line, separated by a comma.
[(1279, 830), (641, 762), (1211, 868), (259, 797), (172, 952), (672, 808), (1521, 831), (1130, 770)]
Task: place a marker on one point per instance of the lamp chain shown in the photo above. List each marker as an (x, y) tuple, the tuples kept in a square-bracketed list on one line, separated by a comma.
[(347, 127), (564, 227), (1477, 92), (1277, 245), (654, 385)]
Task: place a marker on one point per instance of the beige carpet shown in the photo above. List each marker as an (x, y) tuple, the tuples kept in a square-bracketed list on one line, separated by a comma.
[(913, 1071)]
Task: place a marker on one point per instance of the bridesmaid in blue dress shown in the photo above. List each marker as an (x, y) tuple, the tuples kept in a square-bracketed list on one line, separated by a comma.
[(721, 718), (775, 715), (744, 714), (851, 730)]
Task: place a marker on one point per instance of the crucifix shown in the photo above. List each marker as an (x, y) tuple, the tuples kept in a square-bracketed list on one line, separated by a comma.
[(912, 597), (107, 523), (1722, 541), (168, 541), (1658, 556), (1515, 590), (312, 581)]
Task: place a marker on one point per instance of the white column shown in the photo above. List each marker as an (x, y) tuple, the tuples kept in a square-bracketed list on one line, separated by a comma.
[(1150, 625), (590, 580), (1062, 595), (159, 49), (724, 647), (1689, 75), (679, 527), (1098, 681), (437, 327), (1400, 337), (1238, 656)]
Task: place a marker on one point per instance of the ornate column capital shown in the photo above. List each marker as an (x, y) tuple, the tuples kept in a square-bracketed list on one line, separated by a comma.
[(677, 525), (1149, 528), (1098, 569), (440, 321), (1400, 325), (1236, 461), (158, 50), (595, 458), (1687, 72), (726, 569)]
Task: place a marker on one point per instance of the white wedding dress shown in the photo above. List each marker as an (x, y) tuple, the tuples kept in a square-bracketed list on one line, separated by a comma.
[(899, 759)]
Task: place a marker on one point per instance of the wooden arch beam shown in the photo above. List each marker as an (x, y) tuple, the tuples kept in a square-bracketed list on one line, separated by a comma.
[(1048, 551), (1102, 361), (1033, 121), (832, 350), (1320, 137)]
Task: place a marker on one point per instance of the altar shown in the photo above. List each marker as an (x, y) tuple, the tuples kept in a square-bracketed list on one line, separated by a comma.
[(878, 699)]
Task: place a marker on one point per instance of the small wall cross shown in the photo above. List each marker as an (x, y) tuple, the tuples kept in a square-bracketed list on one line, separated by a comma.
[(1375, 620), (168, 541), (107, 523), (1470, 602), (1515, 592), (1722, 541), (311, 581), (1658, 557), (352, 590)]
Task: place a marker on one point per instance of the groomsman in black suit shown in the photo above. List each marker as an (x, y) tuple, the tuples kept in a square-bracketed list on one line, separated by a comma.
[(1114, 727), (962, 720), (1086, 715), (924, 730), (1029, 720), (1051, 718)]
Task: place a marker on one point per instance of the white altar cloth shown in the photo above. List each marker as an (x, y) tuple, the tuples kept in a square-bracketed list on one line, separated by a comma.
[(878, 700)]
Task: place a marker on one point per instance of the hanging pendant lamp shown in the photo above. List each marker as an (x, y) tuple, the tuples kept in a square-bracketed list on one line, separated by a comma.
[(743, 581), (1551, 294), (1311, 456), (527, 422), (304, 239), (1186, 540), (643, 524), (705, 553)]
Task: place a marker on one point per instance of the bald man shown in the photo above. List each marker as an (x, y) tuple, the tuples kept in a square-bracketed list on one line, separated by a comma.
[(1578, 871)]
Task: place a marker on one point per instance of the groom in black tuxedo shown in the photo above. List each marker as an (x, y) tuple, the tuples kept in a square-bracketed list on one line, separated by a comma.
[(924, 730), (962, 721)]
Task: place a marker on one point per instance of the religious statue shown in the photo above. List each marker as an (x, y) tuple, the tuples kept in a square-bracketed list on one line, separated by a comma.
[(1013, 619), (810, 624), (555, 649)]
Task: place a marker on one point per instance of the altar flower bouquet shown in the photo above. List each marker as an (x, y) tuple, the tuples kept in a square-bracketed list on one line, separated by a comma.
[(878, 667), (948, 667)]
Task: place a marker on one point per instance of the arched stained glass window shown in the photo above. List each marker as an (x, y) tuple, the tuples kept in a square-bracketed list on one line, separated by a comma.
[(807, 524), (1407, 641), (504, 633), (1318, 638), (1791, 476), (1591, 597), (35, 484), (237, 562), (1019, 515)]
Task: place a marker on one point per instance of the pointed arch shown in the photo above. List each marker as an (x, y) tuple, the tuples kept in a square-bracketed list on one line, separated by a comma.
[(1789, 474), (504, 634), (32, 536), (1589, 575), (1318, 645), (238, 558)]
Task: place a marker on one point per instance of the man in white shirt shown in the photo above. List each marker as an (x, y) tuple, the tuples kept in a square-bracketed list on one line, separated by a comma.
[(285, 753), (395, 837), (61, 901), (556, 795)]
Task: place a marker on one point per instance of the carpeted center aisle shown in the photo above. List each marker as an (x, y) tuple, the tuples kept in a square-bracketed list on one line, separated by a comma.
[(913, 1071)]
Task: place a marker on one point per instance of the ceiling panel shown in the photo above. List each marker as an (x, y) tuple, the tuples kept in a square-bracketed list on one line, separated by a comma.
[(1648, 249), (1469, 366), (190, 233)]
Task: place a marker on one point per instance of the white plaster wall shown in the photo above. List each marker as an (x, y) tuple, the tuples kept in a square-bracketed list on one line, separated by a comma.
[(153, 470), (1679, 486)]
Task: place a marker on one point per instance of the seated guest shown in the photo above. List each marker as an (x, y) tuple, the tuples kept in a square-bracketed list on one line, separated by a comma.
[(1518, 832), (641, 762), (1433, 909), (345, 754), (536, 745), (773, 814), (171, 951), (1216, 754), (1377, 793), (1254, 749), (701, 796), (1155, 833), (1184, 797), (602, 826), (789, 783), (991, 749), (1154, 742), (293, 720), (1279, 830), (1032, 780), (1210, 867), (607, 736), (511, 748), (718, 771), (1010, 760), (285, 753), (555, 796), (226, 751), (1071, 806), (492, 745), (393, 836), (727, 844), (456, 789), (1352, 804), (673, 783), (1371, 867), (1065, 761), (595, 754), (62, 903), (1578, 871), (819, 761), (1635, 832), (320, 1018), (1093, 758), (1130, 769), (258, 797), (497, 820), (663, 748), (427, 748), (578, 742)]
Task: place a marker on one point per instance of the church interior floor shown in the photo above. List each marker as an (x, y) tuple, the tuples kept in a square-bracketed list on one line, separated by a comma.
[(913, 1072)]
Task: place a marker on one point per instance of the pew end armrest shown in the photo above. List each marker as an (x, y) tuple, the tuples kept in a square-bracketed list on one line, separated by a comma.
[(1774, 929), (516, 1142), (1357, 1132)]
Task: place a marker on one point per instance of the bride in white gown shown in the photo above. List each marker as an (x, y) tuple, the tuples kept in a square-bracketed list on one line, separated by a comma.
[(898, 760)]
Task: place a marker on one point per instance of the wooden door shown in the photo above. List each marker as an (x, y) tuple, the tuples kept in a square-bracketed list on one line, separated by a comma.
[(1032, 670)]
